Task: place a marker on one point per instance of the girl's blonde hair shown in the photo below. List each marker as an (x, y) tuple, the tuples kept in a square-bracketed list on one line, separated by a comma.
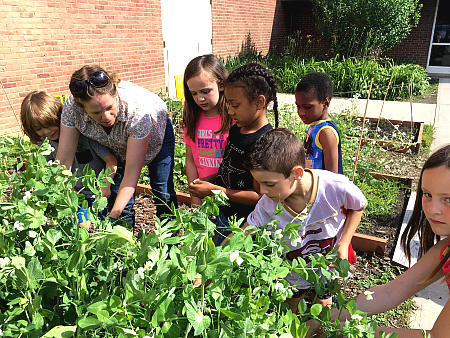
[(211, 65), (39, 109), (418, 223)]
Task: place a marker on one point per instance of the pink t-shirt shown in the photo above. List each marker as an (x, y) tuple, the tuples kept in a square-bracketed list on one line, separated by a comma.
[(208, 147)]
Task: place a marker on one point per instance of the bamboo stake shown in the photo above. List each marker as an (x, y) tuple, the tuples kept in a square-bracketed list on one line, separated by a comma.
[(362, 130), (411, 104), (12, 108), (384, 100)]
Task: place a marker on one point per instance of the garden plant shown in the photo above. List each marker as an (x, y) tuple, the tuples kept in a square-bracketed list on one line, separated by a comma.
[(59, 280)]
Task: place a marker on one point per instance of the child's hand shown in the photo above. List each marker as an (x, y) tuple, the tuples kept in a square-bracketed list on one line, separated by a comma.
[(106, 191), (195, 202), (201, 189), (342, 251)]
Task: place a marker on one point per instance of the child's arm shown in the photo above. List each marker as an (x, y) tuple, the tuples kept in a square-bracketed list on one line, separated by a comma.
[(110, 162), (192, 174), (388, 296), (67, 147), (329, 142), (201, 189), (351, 223)]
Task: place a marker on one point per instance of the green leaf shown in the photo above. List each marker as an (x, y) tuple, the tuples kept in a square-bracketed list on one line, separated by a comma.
[(232, 315), (89, 323), (18, 262), (98, 306), (103, 315), (66, 172), (302, 307), (61, 332), (115, 302), (54, 235), (282, 272), (316, 309), (237, 241), (202, 326)]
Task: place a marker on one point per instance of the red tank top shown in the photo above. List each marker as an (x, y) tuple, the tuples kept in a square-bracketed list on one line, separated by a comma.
[(446, 266)]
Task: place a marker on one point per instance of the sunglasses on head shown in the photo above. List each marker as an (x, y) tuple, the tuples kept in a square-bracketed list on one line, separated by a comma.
[(80, 88)]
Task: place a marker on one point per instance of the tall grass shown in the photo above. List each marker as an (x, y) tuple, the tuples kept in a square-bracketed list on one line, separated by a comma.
[(351, 76)]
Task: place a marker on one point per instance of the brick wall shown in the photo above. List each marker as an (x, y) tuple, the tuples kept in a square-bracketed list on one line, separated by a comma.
[(243, 25), (43, 42), (416, 45)]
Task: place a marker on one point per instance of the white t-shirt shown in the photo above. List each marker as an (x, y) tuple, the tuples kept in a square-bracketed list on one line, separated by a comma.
[(322, 228)]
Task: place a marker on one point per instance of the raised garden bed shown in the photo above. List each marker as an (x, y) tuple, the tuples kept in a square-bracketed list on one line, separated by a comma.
[(396, 135)]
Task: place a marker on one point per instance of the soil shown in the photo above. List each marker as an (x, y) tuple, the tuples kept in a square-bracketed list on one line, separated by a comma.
[(387, 227), (387, 130)]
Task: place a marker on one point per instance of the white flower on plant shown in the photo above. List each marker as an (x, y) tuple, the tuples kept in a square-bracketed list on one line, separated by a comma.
[(137, 278), (149, 265), (234, 257), (295, 241), (4, 262), (45, 220), (266, 233), (198, 318), (18, 226), (357, 317), (1, 333), (278, 234), (368, 295), (279, 286), (50, 147), (27, 195)]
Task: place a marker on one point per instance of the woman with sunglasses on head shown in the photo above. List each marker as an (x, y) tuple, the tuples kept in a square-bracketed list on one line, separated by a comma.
[(133, 123)]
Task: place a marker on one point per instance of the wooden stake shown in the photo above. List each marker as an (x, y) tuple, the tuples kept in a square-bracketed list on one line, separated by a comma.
[(12, 108), (362, 130), (411, 104), (384, 100)]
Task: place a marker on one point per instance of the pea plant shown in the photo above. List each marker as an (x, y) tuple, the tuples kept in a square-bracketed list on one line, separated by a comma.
[(59, 280)]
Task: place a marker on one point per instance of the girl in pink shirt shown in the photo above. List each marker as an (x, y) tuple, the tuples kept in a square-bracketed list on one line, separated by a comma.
[(205, 118)]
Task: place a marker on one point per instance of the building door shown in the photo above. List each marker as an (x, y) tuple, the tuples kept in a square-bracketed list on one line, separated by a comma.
[(439, 55), (187, 33)]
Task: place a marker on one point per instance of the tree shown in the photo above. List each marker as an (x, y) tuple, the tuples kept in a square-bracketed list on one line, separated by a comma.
[(364, 28)]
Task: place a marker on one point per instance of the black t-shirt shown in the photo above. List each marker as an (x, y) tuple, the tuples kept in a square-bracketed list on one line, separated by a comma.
[(232, 174)]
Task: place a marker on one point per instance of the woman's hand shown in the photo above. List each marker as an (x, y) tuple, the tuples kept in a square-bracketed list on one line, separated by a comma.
[(201, 189)]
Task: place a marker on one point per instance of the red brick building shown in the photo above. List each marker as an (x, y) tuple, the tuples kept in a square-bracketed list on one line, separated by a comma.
[(44, 42)]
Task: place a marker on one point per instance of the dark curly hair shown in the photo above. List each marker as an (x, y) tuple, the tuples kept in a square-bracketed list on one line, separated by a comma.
[(255, 80), (319, 83)]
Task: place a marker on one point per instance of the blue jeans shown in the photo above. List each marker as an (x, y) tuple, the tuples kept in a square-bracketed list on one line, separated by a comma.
[(161, 179), (223, 228), (161, 174)]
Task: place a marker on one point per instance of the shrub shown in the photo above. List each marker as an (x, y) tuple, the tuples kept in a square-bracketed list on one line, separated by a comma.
[(365, 28)]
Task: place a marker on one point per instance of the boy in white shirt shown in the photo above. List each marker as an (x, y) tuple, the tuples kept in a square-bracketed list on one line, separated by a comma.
[(328, 205)]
